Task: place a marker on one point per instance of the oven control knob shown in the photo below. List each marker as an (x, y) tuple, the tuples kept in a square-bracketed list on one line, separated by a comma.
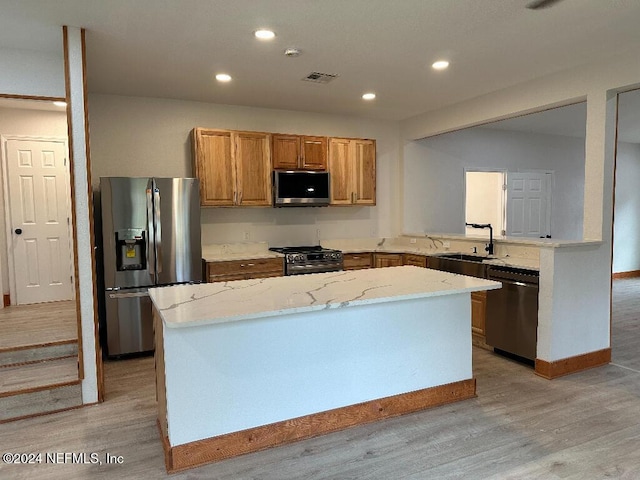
[(300, 258)]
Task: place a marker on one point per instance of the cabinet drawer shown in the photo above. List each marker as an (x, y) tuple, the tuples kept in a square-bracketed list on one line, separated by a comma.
[(250, 268), (387, 259), (413, 259), (356, 261)]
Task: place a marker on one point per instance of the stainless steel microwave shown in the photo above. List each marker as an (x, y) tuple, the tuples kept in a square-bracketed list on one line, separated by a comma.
[(300, 188)]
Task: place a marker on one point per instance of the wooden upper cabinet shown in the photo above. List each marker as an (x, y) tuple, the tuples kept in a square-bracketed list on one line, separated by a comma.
[(253, 168), (314, 153), (365, 172), (285, 151), (340, 171), (296, 152), (234, 168), (214, 166), (352, 165)]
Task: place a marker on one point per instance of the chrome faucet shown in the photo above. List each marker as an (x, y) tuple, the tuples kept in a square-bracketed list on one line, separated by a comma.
[(489, 247)]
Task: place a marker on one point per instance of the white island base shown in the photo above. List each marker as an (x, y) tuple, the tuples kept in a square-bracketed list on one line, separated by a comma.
[(333, 350)]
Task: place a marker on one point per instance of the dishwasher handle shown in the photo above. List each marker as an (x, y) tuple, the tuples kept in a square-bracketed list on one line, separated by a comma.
[(513, 275)]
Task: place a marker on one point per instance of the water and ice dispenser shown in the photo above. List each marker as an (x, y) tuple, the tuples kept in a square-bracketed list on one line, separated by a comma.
[(131, 249)]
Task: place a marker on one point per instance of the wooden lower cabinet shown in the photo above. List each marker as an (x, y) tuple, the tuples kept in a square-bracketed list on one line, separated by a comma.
[(413, 259), (387, 260), (244, 269), (357, 261), (478, 316)]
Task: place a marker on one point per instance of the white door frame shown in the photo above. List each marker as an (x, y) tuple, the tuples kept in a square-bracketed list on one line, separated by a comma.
[(7, 210)]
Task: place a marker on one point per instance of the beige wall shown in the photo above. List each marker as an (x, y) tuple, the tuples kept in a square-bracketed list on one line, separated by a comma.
[(37, 123), (151, 137)]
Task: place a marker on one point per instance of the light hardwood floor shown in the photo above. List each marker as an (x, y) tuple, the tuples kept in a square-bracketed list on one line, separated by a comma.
[(38, 324), (584, 426)]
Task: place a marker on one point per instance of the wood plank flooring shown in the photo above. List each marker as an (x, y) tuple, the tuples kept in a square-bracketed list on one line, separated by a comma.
[(44, 323), (584, 426)]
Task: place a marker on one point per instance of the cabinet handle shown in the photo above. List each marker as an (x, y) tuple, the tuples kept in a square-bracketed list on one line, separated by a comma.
[(240, 198), (247, 264), (235, 197)]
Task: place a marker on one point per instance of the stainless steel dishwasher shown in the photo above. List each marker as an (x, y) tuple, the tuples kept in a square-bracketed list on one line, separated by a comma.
[(512, 311)]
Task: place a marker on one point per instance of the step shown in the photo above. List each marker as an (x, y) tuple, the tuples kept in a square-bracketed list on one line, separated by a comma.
[(40, 402), (37, 352), (31, 377)]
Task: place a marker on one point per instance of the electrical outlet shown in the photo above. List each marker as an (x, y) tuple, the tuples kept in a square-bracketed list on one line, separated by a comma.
[(318, 234), (246, 236), (446, 244), (413, 240)]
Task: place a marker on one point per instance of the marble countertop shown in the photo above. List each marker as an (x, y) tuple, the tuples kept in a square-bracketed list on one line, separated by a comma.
[(210, 303), (389, 247), (536, 242), (226, 252), (258, 250)]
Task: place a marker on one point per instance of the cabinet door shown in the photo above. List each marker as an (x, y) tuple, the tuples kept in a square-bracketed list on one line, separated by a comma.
[(387, 259), (253, 169), (214, 166), (340, 170), (365, 172), (285, 151), (314, 153), (478, 312)]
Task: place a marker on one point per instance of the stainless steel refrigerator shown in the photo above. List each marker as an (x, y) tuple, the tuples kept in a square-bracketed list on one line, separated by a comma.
[(150, 238)]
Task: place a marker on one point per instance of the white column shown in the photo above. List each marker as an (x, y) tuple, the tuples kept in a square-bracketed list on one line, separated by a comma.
[(82, 202)]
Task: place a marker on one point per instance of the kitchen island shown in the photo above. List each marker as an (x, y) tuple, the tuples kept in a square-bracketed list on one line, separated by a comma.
[(246, 365)]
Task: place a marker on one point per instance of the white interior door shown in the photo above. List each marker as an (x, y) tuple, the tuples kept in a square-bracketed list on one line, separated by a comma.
[(529, 204), (38, 207)]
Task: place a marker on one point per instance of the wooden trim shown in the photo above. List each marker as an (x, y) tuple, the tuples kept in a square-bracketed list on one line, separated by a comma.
[(36, 345), (32, 97), (200, 452), (46, 413), (630, 274), (161, 389), (166, 447), (566, 366), (40, 388), (6, 299)]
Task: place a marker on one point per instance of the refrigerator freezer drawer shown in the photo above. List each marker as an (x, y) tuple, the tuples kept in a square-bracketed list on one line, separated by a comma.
[(129, 322)]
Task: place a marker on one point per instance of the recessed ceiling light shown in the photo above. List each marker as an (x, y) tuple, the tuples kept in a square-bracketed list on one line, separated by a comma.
[(263, 34), (440, 65), (223, 77), (369, 96), (60, 104)]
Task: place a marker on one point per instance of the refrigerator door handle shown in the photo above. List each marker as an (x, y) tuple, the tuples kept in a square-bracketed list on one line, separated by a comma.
[(156, 206), (128, 295), (151, 256)]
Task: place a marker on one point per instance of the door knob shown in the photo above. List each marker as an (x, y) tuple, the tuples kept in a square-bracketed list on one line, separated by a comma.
[(18, 231)]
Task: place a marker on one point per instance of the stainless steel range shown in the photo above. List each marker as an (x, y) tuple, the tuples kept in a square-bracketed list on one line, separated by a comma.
[(314, 259)]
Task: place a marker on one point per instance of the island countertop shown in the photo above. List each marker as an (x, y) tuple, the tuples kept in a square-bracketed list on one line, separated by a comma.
[(221, 302)]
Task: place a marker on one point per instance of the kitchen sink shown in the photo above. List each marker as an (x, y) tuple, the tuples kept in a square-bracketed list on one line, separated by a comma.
[(460, 263), (462, 256)]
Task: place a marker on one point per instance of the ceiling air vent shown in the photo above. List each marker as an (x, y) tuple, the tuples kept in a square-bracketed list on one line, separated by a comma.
[(318, 77)]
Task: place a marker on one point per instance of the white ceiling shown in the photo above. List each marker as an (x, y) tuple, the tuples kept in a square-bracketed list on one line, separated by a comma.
[(173, 48)]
